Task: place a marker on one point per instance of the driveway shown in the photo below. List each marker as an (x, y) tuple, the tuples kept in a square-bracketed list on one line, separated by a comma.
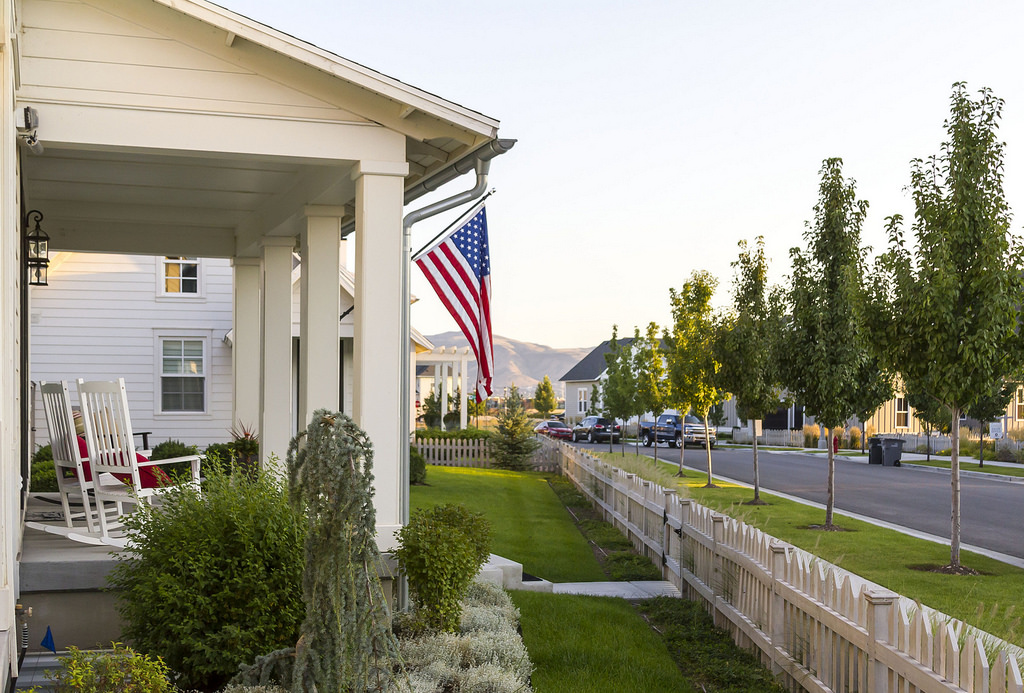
[(991, 511)]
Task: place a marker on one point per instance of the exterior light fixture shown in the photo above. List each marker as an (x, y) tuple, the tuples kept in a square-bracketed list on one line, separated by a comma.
[(37, 247)]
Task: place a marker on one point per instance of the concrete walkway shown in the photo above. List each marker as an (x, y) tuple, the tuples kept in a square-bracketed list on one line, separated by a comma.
[(509, 575)]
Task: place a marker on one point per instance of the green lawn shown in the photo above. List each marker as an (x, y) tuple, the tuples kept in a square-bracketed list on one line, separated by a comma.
[(530, 527), (992, 601), (971, 466), (584, 644)]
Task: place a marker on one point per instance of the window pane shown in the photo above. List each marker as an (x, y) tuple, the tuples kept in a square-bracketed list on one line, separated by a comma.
[(189, 286), (172, 366), (172, 347)]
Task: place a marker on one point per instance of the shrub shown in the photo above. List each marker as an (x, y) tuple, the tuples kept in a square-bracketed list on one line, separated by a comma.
[(811, 435), (487, 654), (464, 434), (440, 551), (119, 671), (212, 579), (174, 448), (43, 474), (855, 437), (417, 467)]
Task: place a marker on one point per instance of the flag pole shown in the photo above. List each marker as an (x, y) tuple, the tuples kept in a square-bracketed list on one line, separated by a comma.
[(449, 227)]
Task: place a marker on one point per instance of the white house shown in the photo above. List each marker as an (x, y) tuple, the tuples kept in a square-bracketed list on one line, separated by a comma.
[(176, 128), (167, 331)]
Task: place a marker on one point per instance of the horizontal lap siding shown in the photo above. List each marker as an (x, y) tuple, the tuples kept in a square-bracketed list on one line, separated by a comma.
[(81, 328), (78, 52)]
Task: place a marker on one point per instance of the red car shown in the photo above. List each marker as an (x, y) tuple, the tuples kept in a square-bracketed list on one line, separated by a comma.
[(553, 429)]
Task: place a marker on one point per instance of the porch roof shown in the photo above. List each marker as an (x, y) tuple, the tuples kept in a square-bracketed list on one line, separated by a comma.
[(177, 127)]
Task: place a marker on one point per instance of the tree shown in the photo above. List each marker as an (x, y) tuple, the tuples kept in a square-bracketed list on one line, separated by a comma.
[(988, 408), (825, 347), (544, 397), (957, 293), (649, 368), (748, 344), (514, 444), (619, 385), (693, 365)]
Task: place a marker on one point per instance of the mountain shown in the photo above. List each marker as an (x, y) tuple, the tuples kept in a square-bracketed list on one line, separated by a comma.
[(521, 363)]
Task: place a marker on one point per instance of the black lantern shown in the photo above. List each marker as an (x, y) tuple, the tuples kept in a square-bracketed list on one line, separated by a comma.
[(36, 250)]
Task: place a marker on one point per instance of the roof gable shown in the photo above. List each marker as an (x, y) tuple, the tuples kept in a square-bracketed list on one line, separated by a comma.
[(593, 365)]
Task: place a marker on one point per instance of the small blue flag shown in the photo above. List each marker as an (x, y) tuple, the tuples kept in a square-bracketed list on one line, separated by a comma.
[(48, 641)]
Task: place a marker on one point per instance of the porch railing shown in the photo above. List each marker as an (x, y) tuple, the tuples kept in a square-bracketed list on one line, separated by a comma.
[(819, 627)]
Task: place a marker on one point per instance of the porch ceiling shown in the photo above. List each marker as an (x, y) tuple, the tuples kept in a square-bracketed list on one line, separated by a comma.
[(167, 204)]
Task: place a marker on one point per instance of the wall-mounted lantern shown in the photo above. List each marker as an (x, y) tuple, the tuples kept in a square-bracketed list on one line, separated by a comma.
[(36, 250)]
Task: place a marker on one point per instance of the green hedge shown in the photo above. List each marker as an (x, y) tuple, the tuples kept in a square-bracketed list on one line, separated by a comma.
[(464, 434)]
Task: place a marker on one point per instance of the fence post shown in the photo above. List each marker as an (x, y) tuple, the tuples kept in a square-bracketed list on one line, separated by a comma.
[(879, 633), (666, 530), (777, 612), (717, 533)]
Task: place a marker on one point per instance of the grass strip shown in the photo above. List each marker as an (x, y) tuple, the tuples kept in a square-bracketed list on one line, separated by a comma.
[(706, 655), (581, 644), (968, 466), (529, 524), (992, 601)]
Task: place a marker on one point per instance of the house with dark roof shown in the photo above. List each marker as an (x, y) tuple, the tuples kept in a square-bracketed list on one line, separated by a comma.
[(580, 379)]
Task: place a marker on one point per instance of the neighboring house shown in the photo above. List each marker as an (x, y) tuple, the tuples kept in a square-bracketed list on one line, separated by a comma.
[(164, 325), (178, 128), (581, 378)]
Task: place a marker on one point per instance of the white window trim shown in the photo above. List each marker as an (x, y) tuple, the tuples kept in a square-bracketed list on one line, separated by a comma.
[(898, 411), (206, 337), (1018, 402), (162, 295), (583, 399)]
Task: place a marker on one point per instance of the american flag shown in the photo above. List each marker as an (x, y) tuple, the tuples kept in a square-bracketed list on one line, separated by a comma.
[(458, 266)]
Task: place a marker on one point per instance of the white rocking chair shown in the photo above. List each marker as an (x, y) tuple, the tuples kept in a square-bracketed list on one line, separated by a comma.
[(109, 439), (72, 484)]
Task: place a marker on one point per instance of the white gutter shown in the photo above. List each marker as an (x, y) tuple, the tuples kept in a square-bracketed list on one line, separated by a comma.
[(481, 161)]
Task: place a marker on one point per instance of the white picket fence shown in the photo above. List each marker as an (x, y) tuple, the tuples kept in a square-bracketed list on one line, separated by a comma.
[(819, 627), (477, 453)]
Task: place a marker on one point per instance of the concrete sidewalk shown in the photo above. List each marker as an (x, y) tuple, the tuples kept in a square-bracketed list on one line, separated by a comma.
[(509, 574)]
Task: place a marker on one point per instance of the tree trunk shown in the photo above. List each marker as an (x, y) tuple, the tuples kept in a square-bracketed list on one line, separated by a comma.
[(707, 448), (682, 442), (757, 478), (954, 476), (831, 500), (981, 449)]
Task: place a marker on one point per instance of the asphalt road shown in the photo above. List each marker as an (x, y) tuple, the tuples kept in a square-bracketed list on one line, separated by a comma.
[(992, 512)]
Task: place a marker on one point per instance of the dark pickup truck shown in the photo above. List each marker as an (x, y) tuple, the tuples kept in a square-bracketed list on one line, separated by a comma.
[(674, 430)]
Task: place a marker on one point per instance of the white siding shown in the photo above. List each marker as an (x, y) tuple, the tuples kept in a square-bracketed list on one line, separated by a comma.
[(100, 318), (144, 55)]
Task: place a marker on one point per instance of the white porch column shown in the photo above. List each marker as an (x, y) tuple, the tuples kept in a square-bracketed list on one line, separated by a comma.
[(276, 349), (245, 349), (464, 387), (319, 310), (378, 339)]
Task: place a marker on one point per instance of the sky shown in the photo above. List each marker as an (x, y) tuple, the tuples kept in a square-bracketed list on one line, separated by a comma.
[(653, 136)]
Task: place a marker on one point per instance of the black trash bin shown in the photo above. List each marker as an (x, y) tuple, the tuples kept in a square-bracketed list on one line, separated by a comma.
[(875, 455), (892, 449)]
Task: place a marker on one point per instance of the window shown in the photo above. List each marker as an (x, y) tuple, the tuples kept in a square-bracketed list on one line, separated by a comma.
[(584, 400), (902, 413), (181, 275), (182, 375), (1019, 414)]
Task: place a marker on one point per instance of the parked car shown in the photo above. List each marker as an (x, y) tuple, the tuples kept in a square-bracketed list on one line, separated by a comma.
[(671, 429), (594, 428), (554, 429)]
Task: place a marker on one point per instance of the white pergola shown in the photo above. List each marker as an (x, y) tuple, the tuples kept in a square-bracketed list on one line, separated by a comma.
[(450, 372)]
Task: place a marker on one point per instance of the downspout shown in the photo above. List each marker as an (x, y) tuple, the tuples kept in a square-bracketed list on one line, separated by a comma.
[(482, 163)]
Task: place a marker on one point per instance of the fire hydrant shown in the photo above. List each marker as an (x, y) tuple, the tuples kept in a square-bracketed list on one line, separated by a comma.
[(835, 444)]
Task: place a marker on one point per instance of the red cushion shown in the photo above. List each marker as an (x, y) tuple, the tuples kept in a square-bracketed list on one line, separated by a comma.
[(149, 477)]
